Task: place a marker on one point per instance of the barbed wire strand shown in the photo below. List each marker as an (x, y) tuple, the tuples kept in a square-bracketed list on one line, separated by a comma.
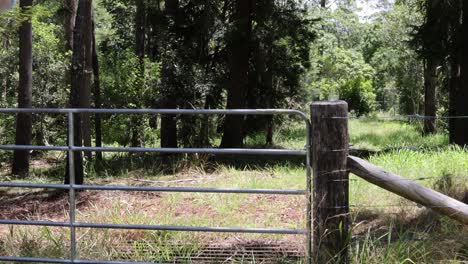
[(404, 180), (398, 117), (384, 206)]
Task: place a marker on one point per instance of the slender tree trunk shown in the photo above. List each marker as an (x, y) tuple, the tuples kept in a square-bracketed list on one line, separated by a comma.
[(454, 80), (24, 121), (70, 7), (169, 122), (140, 26), (168, 126), (70, 27), (172, 7), (85, 91), (137, 123), (430, 96), (82, 70), (154, 18), (453, 89), (263, 65), (269, 104), (323, 3), (205, 123), (97, 96), (268, 84), (461, 108), (239, 54), (76, 77)]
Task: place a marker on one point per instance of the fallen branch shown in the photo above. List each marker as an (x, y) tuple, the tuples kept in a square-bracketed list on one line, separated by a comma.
[(409, 189)]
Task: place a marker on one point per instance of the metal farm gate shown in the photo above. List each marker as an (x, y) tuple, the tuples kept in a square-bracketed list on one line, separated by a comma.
[(72, 187)]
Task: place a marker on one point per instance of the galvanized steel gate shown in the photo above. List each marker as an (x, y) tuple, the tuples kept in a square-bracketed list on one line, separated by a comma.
[(72, 187)]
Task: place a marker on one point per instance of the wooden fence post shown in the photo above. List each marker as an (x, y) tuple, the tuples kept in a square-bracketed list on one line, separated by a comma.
[(330, 143)]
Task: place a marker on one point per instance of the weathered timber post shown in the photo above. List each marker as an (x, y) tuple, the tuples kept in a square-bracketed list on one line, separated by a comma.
[(409, 189), (330, 143)]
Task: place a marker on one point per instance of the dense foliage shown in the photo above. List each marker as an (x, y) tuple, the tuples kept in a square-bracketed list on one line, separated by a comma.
[(368, 63)]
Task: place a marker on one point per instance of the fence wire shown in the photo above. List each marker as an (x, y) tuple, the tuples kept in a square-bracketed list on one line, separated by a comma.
[(398, 117), (416, 117)]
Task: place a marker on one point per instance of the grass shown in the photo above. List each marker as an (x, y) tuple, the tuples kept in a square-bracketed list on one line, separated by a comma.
[(368, 133), (386, 228), (375, 134)]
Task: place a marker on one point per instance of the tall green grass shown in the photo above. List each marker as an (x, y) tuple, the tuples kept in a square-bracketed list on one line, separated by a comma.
[(386, 228), (369, 133)]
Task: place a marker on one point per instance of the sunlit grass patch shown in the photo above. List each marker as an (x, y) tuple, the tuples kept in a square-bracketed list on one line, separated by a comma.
[(374, 134)]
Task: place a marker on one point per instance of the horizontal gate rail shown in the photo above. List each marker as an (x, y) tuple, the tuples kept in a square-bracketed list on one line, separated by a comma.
[(151, 188), (72, 187), (279, 231), (302, 115), (284, 152)]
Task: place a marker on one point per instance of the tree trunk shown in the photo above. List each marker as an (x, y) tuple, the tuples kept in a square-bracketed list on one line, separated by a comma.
[(24, 121), (239, 54), (140, 26), (172, 7), (97, 96), (263, 66), (85, 91), (268, 84), (71, 8), (430, 96), (461, 108), (323, 3), (453, 89), (137, 123), (169, 122), (154, 25), (168, 126), (82, 70), (206, 122)]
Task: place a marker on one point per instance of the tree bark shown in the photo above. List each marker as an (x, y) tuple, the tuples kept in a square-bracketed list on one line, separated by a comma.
[(82, 70), (453, 89), (430, 95), (461, 108), (71, 8), (239, 54), (267, 79), (97, 96), (85, 91), (172, 7), (168, 126), (137, 123), (169, 122), (154, 26), (24, 121), (323, 3), (263, 66), (140, 26)]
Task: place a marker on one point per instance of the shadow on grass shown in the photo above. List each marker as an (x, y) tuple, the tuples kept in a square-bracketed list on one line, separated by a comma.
[(121, 165), (52, 204), (426, 235)]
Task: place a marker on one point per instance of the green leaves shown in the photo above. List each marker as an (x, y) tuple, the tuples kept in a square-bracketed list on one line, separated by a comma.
[(367, 63)]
